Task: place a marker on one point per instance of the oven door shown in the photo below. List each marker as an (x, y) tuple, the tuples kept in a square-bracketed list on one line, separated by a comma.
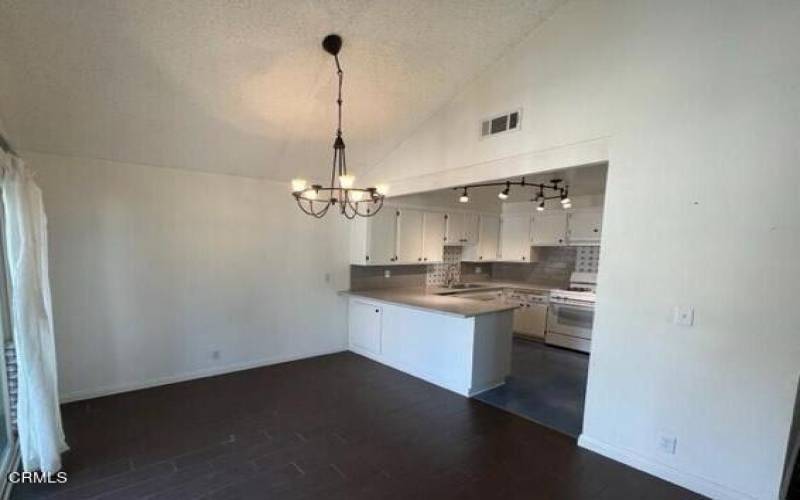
[(571, 319)]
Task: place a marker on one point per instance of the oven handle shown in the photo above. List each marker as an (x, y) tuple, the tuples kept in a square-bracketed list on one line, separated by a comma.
[(570, 303)]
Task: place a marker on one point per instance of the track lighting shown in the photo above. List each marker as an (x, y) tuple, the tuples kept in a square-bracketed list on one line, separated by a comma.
[(503, 195), (464, 197)]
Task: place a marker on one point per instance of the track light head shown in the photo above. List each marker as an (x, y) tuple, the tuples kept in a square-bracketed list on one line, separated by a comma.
[(464, 197)]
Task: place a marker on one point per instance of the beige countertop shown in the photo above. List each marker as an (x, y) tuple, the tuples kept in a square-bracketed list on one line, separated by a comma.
[(440, 299), (427, 300)]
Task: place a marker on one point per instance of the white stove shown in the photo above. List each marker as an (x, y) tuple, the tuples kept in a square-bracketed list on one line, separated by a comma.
[(571, 313)]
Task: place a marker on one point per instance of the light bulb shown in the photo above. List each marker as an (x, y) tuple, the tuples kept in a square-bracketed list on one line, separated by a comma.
[(540, 207), (464, 198), (566, 205), (298, 185), (311, 194), (346, 181), (503, 195), (355, 195), (382, 189), (565, 200)]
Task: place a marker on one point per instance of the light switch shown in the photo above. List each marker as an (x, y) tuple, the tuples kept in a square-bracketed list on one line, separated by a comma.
[(387, 273), (667, 444), (683, 315)]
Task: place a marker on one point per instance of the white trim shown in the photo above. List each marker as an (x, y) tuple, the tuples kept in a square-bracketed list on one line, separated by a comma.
[(698, 484), (202, 373)]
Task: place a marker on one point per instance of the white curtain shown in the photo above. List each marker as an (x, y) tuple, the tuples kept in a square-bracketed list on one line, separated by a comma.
[(41, 437)]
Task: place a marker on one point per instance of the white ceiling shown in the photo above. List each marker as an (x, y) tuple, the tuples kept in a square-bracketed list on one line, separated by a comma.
[(240, 87)]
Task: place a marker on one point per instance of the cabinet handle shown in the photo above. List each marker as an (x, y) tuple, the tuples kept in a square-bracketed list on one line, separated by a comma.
[(523, 257), (367, 257), (425, 259), (377, 310), (419, 259), (480, 258), (560, 240), (595, 230)]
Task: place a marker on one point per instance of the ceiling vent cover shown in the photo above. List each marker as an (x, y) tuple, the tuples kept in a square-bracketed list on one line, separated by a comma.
[(507, 122)]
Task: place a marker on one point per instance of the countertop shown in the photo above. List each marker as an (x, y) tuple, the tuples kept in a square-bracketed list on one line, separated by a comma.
[(441, 300)]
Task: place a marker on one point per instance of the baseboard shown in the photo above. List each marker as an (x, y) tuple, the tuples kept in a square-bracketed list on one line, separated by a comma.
[(693, 482), (203, 373), (488, 387)]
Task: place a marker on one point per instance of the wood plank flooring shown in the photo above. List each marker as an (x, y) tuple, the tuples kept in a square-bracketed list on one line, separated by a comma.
[(334, 427)]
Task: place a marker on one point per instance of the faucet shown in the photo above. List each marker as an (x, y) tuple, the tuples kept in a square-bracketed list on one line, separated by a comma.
[(450, 275)]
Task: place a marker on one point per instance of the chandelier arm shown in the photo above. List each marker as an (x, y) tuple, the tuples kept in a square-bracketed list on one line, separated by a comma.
[(310, 210)]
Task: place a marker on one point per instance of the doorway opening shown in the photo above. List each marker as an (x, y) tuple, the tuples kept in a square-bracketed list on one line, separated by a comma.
[(541, 256)]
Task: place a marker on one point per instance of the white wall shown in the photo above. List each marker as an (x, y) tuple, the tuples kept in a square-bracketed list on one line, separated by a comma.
[(152, 269), (697, 107)]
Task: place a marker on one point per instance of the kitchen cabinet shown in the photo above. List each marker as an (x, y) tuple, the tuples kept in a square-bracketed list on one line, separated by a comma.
[(409, 236), (433, 227), (530, 320), (515, 233), (365, 321), (488, 244), (461, 229), (585, 227), (374, 239), (549, 229)]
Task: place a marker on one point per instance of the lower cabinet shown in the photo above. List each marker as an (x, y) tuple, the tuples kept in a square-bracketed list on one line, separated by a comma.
[(530, 320), (366, 321)]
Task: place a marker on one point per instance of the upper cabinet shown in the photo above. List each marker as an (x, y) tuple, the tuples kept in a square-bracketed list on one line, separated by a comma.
[(433, 226), (488, 243), (515, 234), (549, 228), (585, 227), (409, 236), (461, 229), (373, 240), (398, 236)]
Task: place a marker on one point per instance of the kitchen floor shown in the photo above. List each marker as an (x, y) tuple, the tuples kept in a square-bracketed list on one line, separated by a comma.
[(336, 427), (547, 385)]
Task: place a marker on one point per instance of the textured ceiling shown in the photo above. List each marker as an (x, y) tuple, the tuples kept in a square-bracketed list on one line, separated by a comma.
[(240, 87)]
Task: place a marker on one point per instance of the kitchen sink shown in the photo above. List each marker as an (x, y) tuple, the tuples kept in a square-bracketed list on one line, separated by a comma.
[(464, 286)]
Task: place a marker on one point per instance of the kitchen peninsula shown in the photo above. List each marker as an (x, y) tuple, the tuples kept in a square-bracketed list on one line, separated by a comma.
[(460, 344)]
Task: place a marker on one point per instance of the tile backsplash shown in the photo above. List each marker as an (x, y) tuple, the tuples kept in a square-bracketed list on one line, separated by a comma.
[(553, 267), (437, 273)]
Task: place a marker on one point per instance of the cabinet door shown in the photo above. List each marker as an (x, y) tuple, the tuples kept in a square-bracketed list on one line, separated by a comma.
[(585, 227), (549, 229), (364, 325), (515, 236), (409, 236), (470, 234), (454, 231), (488, 237), (381, 237), (433, 237)]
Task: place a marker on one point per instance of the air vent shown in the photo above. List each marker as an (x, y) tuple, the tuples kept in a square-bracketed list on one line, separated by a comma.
[(503, 123)]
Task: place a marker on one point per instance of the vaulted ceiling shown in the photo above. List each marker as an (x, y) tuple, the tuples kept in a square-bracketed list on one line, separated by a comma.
[(240, 87)]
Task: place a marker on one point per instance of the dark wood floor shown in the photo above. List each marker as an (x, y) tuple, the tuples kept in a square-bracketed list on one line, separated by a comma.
[(337, 426)]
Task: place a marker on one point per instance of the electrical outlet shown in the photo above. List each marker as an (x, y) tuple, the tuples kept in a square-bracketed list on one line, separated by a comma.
[(683, 315), (667, 444), (387, 273), (216, 354)]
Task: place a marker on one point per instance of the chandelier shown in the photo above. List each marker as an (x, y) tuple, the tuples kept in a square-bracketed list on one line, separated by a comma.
[(552, 191), (317, 199)]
